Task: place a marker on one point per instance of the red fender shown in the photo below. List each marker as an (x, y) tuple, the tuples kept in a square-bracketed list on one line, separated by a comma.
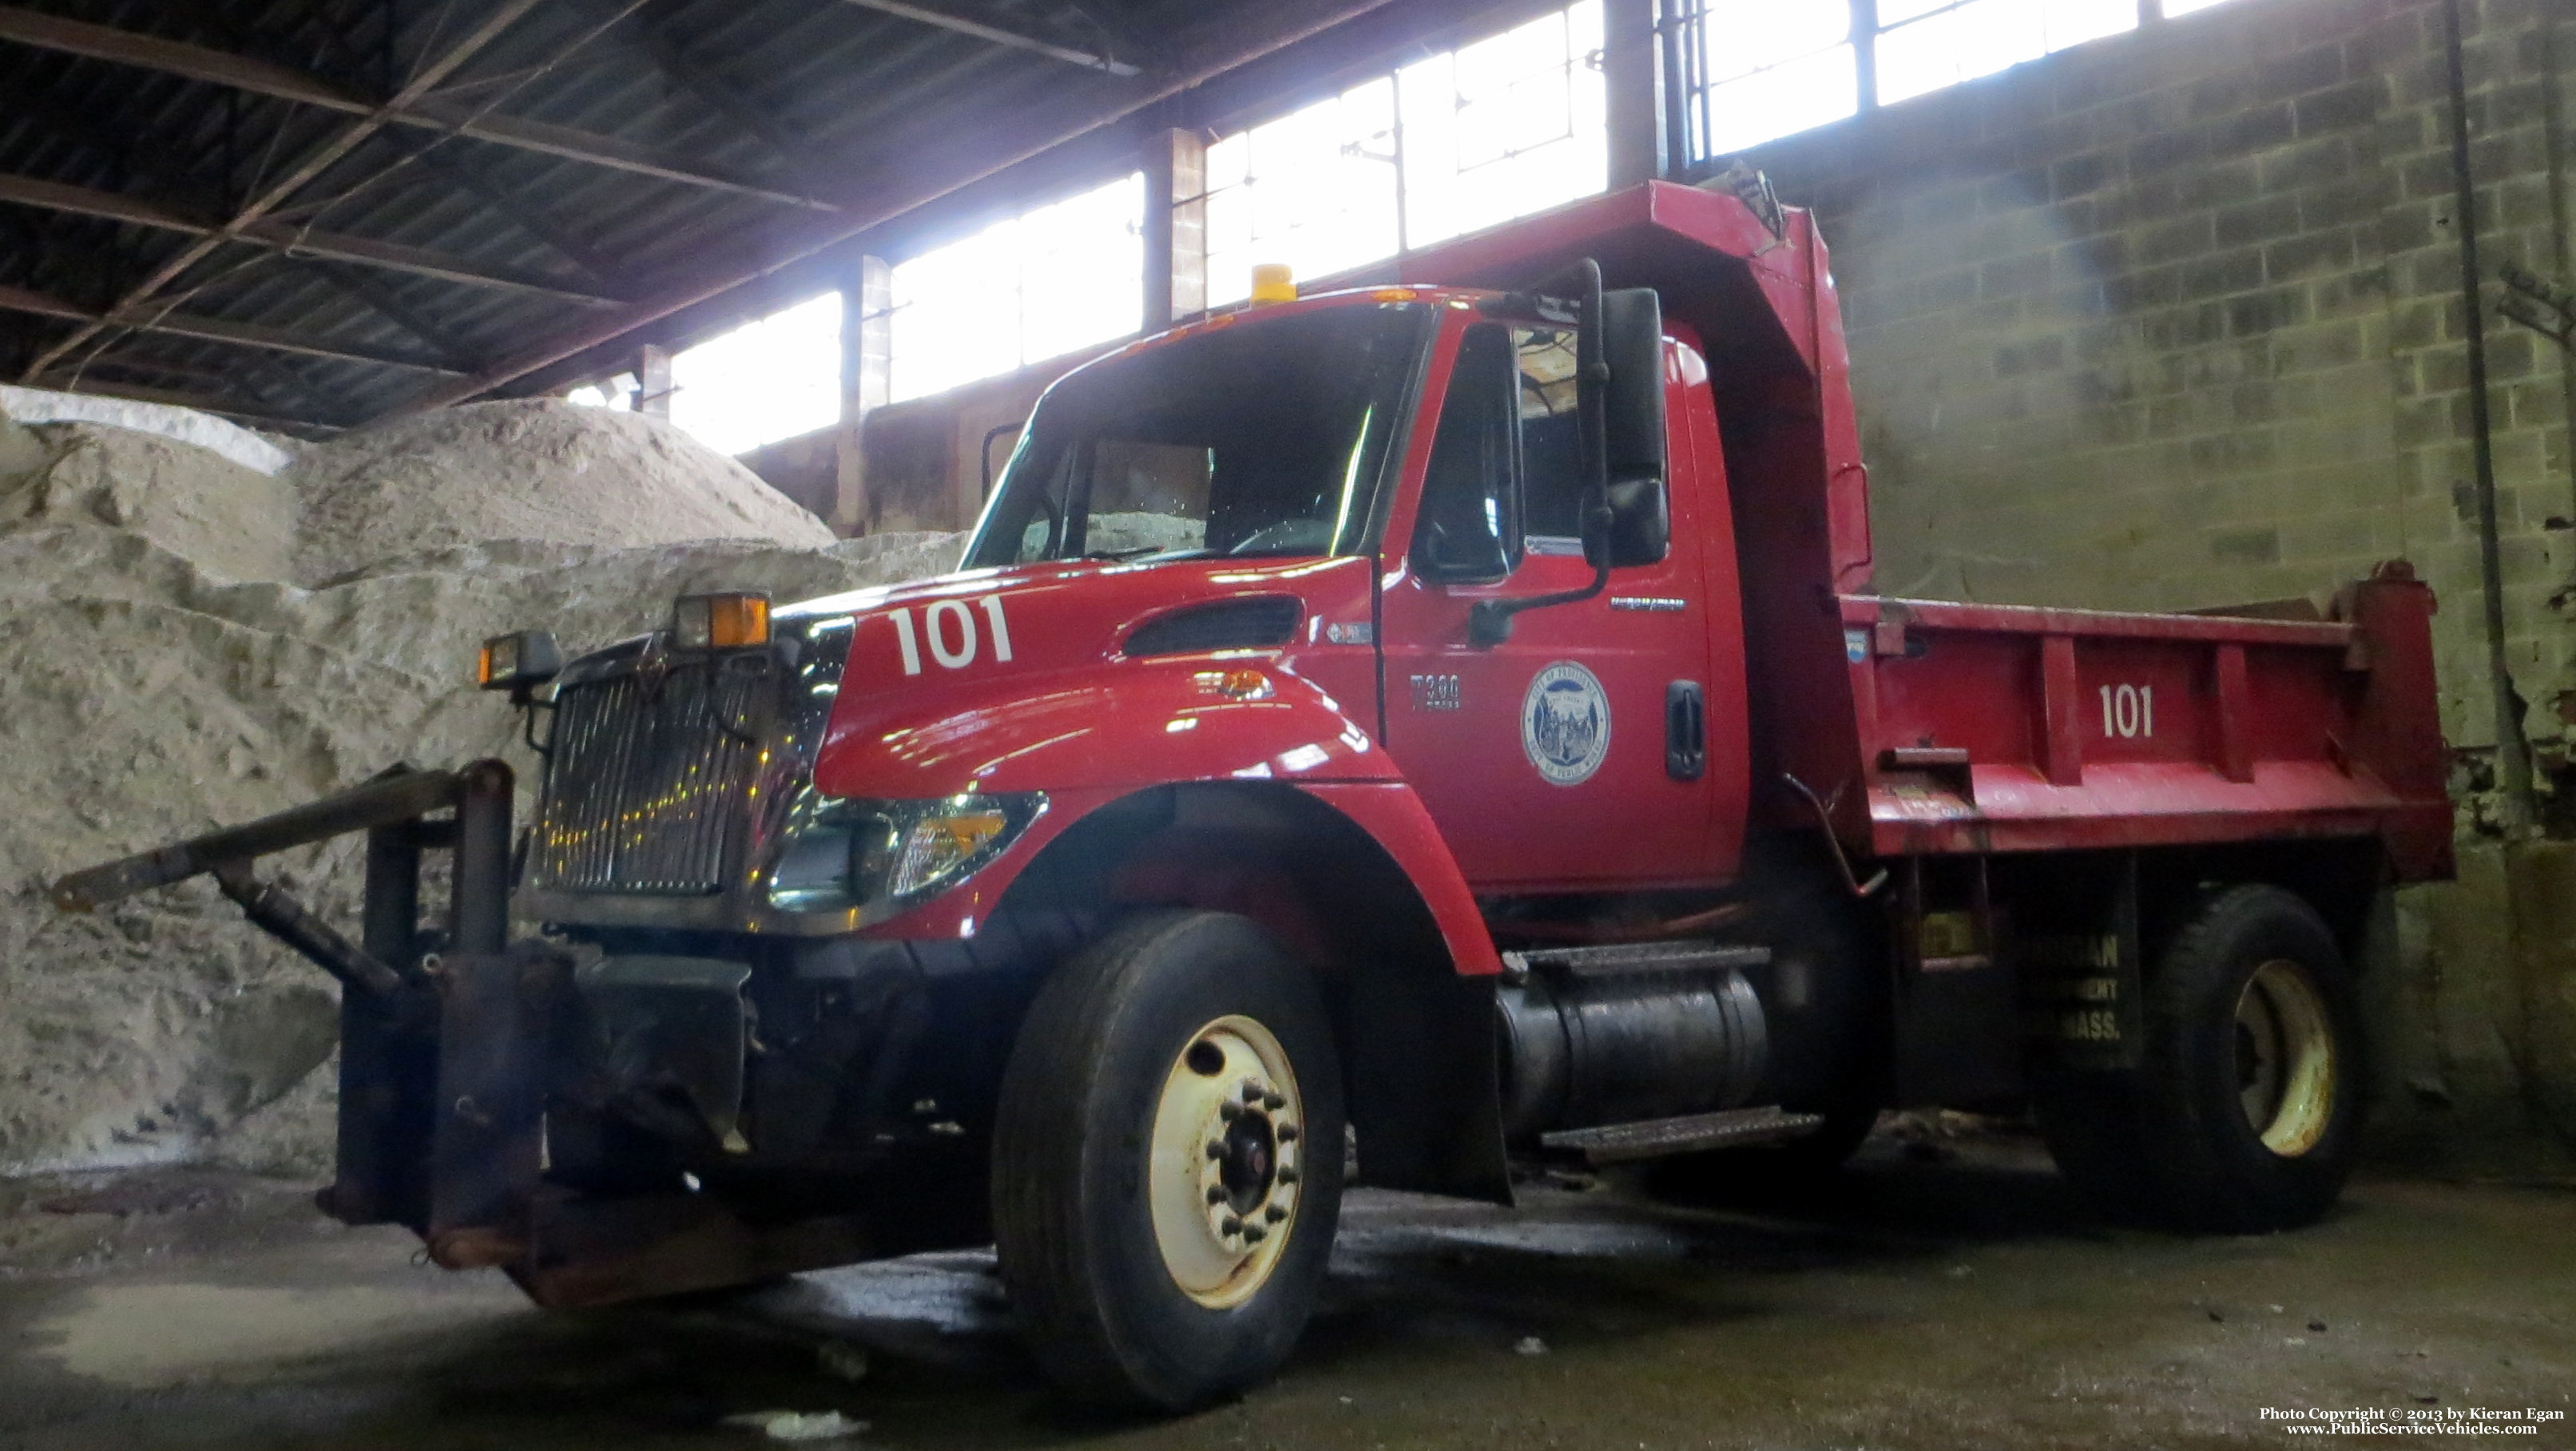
[(1387, 811), (1397, 821)]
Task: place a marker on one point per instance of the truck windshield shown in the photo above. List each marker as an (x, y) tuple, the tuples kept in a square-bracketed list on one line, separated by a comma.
[(1260, 439)]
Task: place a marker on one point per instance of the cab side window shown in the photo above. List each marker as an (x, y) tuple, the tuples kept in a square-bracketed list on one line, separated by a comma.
[(1470, 527), (1551, 440)]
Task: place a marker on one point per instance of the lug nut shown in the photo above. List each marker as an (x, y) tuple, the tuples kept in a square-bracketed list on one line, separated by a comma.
[(1252, 1090), (1287, 1133), (1229, 1110), (1215, 1149), (1216, 1194), (1273, 1102), (1275, 1213), (1254, 1234), (1233, 1225), (1287, 1174)]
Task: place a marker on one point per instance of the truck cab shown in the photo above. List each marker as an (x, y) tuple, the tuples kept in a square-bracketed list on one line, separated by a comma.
[(1380, 737)]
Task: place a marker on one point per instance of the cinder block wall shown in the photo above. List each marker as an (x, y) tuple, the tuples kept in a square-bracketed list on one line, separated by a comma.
[(2176, 319)]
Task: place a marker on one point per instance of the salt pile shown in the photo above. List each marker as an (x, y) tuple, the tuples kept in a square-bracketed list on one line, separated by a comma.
[(161, 674), (233, 521), (540, 469)]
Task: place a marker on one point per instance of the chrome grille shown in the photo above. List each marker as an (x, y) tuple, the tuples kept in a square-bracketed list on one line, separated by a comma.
[(649, 779)]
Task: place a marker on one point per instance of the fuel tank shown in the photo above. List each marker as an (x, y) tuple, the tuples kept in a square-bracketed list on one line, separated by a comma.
[(1607, 1035)]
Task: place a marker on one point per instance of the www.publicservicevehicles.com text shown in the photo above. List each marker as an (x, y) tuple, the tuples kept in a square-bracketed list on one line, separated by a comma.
[(2411, 1421)]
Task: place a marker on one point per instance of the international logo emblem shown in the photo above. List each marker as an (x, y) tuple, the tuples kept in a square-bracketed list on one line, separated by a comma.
[(1565, 723)]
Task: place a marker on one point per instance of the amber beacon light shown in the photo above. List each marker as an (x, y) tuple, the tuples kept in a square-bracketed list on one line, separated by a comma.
[(1273, 282)]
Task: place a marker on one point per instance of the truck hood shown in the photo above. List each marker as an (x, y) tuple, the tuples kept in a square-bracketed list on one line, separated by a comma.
[(1097, 675)]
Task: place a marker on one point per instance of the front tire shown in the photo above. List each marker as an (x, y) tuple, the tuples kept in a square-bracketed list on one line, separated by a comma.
[(2245, 1112), (1163, 1229)]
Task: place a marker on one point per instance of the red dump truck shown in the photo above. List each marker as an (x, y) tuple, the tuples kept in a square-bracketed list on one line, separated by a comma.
[(1378, 738)]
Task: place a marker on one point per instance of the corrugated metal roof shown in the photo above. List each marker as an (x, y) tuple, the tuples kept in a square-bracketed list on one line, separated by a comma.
[(422, 256)]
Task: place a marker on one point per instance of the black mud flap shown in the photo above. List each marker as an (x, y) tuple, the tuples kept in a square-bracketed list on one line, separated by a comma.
[(1425, 1084)]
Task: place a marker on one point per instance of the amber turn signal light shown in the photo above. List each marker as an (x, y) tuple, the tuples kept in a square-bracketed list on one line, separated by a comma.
[(720, 621), (518, 662)]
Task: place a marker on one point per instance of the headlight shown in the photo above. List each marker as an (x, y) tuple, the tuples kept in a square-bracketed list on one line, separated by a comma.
[(885, 856)]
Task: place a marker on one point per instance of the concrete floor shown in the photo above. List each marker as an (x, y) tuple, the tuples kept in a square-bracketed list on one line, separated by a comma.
[(1955, 1303)]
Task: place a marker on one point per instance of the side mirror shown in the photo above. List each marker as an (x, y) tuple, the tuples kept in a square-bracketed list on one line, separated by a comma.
[(1641, 523), (1619, 397), (1631, 382)]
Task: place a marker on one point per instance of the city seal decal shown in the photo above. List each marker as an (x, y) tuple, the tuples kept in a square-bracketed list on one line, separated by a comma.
[(1565, 723)]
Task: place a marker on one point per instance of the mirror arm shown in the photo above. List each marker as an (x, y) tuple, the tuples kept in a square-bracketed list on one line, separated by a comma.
[(1489, 622)]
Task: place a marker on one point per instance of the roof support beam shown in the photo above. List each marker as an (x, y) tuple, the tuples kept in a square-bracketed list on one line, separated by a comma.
[(370, 290), (201, 329), (316, 161), (414, 107), (998, 35), (916, 176), (530, 214), (54, 196)]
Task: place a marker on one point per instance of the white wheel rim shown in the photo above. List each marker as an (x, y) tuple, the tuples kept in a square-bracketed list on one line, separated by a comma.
[(2285, 1058), (1227, 1167)]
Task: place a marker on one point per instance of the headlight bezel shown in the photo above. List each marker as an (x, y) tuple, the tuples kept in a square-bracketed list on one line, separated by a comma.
[(720, 620), (880, 858), (518, 662)]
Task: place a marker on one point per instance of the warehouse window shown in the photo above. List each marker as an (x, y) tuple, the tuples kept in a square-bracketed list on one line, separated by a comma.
[(1315, 189), (1039, 285), (1924, 45), (1756, 70), (772, 378), (1465, 139), (1765, 68), (1505, 127), (766, 380), (617, 394)]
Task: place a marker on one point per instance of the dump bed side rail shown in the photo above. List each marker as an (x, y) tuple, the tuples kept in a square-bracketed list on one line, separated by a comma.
[(2012, 728)]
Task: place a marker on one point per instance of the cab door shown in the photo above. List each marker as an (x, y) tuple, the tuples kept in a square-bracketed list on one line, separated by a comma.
[(1562, 758)]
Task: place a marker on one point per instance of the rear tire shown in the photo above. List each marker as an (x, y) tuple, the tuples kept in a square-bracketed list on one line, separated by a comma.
[(2245, 1112), (1162, 1229)]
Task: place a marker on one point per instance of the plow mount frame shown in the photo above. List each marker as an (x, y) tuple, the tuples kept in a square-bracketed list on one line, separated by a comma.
[(405, 991), (449, 1040)]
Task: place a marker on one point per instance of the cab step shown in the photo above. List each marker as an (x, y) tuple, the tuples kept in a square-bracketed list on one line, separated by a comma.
[(1613, 959), (1731, 1128)]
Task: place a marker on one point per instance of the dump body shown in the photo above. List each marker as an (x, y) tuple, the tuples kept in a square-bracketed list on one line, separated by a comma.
[(1990, 728)]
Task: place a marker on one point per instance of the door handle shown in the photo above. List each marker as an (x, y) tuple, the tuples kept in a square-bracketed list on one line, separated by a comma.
[(1685, 731)]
